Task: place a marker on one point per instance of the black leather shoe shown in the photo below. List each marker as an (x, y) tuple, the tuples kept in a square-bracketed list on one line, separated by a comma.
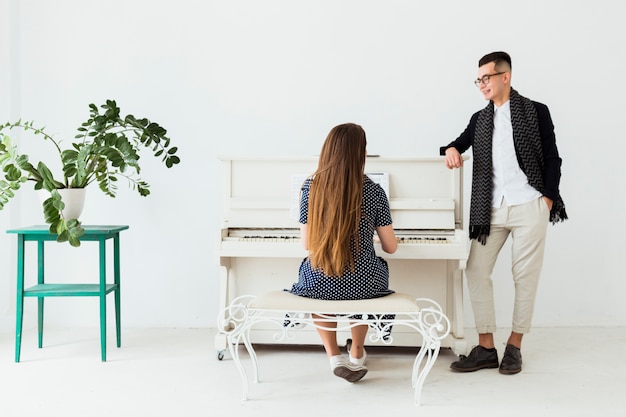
[(511, 361), (478, 358)]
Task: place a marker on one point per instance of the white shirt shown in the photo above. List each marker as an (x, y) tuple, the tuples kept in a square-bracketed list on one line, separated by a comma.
[(510, 184)]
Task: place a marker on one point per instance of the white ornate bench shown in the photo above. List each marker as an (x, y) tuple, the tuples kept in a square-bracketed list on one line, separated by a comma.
[(423, 315)]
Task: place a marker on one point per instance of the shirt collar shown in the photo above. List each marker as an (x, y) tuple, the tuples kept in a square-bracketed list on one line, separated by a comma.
[(506, 107)]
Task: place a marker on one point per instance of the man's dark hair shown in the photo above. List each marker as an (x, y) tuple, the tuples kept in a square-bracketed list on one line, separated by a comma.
[(497, 58)]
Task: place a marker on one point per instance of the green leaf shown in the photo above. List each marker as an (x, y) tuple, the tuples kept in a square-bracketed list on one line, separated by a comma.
[(63, 236), (171, 161), (12, 173), (49, 182)]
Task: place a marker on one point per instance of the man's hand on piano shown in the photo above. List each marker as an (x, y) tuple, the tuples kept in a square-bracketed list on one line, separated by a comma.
[(453, 158)]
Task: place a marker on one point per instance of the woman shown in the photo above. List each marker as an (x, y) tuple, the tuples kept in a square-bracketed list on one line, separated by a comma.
[(340, 210)]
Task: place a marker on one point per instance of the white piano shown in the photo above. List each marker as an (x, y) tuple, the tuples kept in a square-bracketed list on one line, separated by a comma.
[(259, 247)]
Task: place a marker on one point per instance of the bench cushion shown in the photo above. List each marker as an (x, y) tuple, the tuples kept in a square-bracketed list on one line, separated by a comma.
[(285, 301)]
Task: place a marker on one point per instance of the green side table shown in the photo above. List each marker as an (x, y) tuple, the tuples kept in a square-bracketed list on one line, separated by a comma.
[(41, 234)]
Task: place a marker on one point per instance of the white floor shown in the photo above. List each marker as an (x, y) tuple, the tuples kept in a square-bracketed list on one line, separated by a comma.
[(175, 372)]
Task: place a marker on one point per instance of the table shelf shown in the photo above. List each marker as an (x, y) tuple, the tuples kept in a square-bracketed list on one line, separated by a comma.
[(67, 290)]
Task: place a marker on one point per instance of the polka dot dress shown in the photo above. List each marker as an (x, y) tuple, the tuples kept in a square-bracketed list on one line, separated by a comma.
[(370, 278)]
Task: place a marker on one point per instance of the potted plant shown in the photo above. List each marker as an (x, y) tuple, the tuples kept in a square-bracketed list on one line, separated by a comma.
[(105, 150)]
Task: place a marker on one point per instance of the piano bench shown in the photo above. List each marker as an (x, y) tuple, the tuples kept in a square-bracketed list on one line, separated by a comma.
[(423, 315)]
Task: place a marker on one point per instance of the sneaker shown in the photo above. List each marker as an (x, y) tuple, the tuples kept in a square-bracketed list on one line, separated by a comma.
[(358, 361), (348, 371), (478, 358), (511, 361)]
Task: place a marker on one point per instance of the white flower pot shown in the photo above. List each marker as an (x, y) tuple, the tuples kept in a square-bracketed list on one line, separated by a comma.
[(73, 198)]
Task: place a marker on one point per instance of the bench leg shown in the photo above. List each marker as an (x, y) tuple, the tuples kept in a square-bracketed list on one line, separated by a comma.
[(233, 347), (252, 354), (424, 362)]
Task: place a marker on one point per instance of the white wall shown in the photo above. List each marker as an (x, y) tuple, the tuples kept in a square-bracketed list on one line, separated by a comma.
[(272, 77)]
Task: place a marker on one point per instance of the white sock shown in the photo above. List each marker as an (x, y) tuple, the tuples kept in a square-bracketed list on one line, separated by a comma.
[(359, 361), (334, 360)]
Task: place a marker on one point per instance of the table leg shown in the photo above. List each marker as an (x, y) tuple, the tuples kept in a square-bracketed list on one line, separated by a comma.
[(19, 309), (40, 280), (103, 301), (116, 272)]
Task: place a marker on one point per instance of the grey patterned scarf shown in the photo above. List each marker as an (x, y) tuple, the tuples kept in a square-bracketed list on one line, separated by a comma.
[(527, 142)]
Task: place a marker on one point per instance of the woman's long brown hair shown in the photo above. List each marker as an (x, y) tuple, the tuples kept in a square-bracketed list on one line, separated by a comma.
[(335, 198)]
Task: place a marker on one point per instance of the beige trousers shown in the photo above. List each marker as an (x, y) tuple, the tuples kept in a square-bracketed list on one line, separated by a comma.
[(527, 224)]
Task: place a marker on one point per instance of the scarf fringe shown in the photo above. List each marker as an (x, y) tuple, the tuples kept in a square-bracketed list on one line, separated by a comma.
[(558, 213), (479, 233)]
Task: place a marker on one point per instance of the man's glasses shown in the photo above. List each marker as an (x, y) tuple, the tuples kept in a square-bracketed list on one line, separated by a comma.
[(486, 78)]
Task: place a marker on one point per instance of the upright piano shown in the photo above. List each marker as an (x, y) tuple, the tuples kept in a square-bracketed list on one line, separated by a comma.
[(259, 246)]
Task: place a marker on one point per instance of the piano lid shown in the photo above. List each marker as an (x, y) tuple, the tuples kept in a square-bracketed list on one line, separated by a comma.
[(263, 192)]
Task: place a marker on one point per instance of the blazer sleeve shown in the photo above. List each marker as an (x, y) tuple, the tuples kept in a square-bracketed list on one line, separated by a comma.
[(551, 159)]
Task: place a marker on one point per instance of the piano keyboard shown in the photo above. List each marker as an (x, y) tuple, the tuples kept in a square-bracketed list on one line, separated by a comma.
[(264, 239), (409, 240), (426, 240)]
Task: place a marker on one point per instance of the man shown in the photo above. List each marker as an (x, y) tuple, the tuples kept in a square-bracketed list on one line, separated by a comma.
[(515, 192)]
